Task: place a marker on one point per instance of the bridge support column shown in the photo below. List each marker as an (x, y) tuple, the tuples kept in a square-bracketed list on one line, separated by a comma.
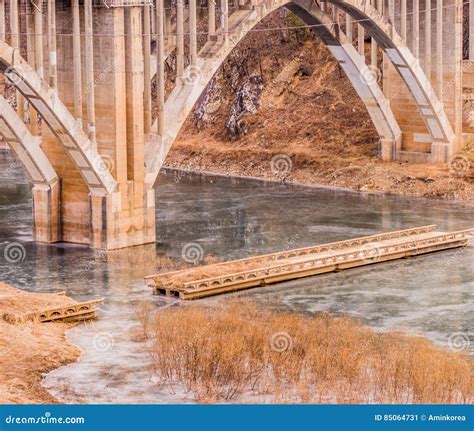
[(130, 218), (439, 152), (211, 25), (122, 219), (389, 149), (46, 212), (179, 39), (125, 216), (147, 66), (193, 31)]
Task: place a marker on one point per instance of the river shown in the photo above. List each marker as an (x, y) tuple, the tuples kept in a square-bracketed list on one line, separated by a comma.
[(229, 218)]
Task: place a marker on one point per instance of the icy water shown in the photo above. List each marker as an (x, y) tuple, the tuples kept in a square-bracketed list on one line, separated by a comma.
[(430, 295)]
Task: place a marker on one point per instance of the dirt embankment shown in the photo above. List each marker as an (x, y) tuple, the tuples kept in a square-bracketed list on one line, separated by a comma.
[(310, 127), (30, 349)]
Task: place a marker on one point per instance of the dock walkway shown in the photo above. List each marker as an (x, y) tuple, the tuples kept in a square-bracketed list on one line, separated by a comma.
[(303, 262)]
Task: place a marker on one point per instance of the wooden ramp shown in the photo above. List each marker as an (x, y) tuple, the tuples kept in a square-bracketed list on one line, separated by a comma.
[(303, 262)]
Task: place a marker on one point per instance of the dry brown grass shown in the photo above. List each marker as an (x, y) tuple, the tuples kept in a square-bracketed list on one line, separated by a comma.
[(29, 349), (239, 351)]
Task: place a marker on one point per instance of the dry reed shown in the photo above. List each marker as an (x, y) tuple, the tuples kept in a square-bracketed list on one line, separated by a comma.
[(241, 352)]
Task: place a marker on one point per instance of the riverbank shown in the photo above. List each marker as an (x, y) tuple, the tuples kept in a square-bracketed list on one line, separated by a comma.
[(29, 349), (366, 174), (180, 173)]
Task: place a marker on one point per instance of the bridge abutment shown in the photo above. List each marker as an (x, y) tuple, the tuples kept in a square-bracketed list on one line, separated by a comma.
[(119, 220)]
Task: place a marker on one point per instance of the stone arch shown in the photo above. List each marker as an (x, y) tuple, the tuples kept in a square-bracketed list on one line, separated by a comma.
[(64, 126), (409, 69), (181, 101)]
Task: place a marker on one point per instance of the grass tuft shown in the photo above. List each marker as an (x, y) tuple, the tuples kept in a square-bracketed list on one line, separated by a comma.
[(239, 351)]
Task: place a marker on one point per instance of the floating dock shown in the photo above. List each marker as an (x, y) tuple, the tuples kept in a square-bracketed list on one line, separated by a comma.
[(272, 268)]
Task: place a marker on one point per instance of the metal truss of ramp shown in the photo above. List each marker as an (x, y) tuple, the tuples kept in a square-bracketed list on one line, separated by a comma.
[(303, 262)]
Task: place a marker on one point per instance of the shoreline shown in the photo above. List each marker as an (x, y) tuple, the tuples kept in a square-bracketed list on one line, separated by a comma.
[(34, 391), (170, 169), (167, 167)]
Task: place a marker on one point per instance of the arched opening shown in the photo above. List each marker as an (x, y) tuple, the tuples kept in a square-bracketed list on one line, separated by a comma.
[(182, 98)]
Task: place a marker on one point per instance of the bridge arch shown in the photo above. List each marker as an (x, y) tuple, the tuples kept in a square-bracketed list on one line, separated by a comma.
[(25, 146), (356, 70), (47, 102), (119, 211), (46, 182), (180, 102), (408, 67)]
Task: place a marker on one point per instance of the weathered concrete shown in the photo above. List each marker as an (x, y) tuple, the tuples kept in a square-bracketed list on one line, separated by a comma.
[(408, 67), (46, 184), (101, 205), (416, 135)]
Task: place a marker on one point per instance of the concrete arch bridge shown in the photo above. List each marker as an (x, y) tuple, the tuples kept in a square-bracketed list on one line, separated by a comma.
[(85, 67)]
